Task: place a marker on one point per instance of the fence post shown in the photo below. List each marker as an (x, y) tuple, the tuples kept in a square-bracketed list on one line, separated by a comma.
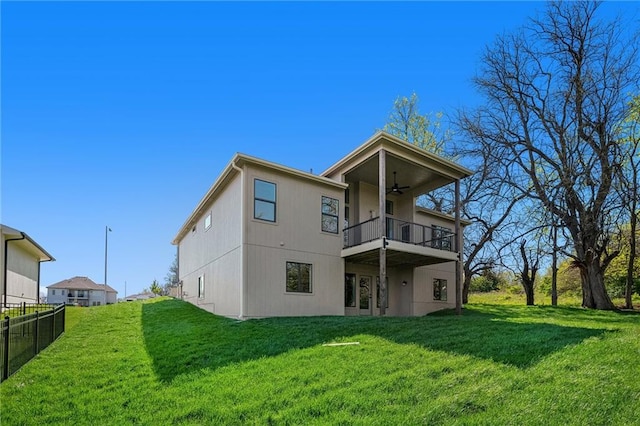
[(24, 308), (35, 334), (64, 317), (5, 361)]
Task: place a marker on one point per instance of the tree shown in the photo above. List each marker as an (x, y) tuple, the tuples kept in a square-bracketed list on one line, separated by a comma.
[(630, 189), (155, 287), (406, 122), (171, 279), (486, 202), (554, 93)]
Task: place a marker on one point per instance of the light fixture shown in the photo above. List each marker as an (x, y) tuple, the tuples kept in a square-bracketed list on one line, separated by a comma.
[(404, 283)]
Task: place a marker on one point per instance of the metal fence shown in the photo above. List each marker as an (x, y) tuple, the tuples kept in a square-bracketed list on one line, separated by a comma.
[(23, 336), (399, 230)]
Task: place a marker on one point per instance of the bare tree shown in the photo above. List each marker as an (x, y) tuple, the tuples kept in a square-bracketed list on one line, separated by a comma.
[(554, 92), (486, 200)]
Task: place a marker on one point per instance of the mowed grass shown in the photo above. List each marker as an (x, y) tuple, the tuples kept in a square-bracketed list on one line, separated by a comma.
[(167, 362)]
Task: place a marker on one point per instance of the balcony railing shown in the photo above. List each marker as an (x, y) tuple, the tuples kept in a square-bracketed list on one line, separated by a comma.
[(399, 230), (78, 296)]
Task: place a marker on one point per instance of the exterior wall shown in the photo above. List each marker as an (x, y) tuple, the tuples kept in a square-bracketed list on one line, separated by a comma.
[(57, 296), (22, 275), (214, 254), (295, 236), (422, 287), (90, 298), (399, 295)]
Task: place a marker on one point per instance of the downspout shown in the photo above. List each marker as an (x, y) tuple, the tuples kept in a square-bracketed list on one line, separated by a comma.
[(243, 283), (38, 280), (6, 257)]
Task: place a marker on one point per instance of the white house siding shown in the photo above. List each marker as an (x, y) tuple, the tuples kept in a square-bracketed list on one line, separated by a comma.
[(296, 236), (56, 296), (22, 275), (214, 254)]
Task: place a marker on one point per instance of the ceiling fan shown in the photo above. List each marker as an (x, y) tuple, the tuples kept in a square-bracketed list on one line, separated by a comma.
[(395, 189)]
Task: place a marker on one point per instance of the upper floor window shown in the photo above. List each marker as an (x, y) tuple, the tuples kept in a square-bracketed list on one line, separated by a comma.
[(441, 237), (298, 277), (330, 209), (264, 203), (207, 221)]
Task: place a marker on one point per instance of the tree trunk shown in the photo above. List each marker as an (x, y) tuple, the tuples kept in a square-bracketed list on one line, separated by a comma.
[(554, 268), (466, 283), (594, 293), (528, 290), (632, 258)]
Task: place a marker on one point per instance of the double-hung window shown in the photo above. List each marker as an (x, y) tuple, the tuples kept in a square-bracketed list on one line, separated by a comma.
[(264, 203), (330, 209), (298, 277)]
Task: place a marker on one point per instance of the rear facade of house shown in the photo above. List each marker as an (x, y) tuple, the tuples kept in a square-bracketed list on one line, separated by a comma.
[(20, 261), (268, 240)]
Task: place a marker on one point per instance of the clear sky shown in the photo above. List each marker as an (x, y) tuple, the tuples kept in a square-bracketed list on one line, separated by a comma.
[(122, 114)]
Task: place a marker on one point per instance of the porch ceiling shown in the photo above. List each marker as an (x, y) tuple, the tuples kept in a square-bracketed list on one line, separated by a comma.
[(419, 178), (395, 258)]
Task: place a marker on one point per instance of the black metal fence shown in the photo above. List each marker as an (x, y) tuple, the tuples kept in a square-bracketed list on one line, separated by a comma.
[(23, 336), (399, 230)]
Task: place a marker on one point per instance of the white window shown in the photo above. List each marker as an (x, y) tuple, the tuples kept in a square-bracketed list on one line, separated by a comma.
[(201, 287), (207, 222)]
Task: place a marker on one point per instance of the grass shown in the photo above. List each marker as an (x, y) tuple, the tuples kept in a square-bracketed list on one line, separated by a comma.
[(167, 362), (519, 298)]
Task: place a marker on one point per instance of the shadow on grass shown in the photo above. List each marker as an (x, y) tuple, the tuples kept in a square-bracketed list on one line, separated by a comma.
[(182, 338)]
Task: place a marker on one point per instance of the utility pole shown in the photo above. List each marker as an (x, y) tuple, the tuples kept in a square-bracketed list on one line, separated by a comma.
[(106, 244)]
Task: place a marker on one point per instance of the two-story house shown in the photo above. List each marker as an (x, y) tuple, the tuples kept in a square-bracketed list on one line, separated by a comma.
[(81, 291), (268, 240), (20, 259)]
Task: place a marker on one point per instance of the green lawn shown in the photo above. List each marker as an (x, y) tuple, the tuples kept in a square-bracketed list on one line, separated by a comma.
[(167, 362)]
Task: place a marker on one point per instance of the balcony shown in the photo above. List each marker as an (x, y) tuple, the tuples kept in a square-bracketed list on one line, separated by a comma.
[(407, 243), (79, 295)]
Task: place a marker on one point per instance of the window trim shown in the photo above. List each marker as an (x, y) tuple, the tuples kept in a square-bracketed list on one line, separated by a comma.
[(330, 215), (263, 200), (286, 272)]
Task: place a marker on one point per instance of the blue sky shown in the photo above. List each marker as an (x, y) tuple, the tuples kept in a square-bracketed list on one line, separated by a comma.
[(123, 114)]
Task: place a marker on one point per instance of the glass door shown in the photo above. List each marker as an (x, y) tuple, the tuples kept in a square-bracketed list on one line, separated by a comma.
[(365, 295)]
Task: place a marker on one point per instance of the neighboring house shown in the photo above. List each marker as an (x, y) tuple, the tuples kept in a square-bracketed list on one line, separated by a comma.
[(268, 240), (81, 291), (20, 258), (141, 296)]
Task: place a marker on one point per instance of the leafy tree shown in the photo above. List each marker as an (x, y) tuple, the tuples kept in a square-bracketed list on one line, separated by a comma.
[(554, 92), (424, 131), (630, 192), (155, 287), (486, 202)]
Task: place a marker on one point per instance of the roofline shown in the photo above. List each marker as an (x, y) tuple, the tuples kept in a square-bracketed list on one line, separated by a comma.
[(442, 215), (45, 255), (239, 160), (378, 138)]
